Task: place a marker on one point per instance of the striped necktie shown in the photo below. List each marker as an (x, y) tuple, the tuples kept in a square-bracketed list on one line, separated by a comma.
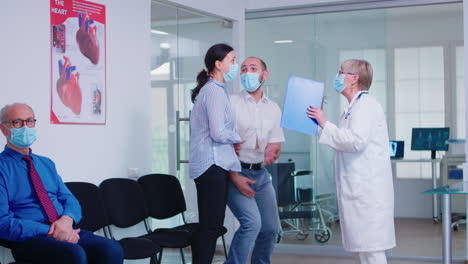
[(41, 192)]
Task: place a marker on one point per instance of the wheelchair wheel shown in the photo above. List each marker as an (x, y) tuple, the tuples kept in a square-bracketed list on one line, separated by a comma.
[(323, 236)]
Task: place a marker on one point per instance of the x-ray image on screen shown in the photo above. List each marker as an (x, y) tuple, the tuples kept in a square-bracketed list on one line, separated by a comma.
[(397, 149), (430, 138)]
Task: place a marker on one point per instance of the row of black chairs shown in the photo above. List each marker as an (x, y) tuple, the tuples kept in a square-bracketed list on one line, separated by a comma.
[(125, 203)]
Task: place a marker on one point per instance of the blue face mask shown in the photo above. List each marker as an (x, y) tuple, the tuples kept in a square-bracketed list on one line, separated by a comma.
[(338, 83), (232, 73), (250, 81), (23, 137)]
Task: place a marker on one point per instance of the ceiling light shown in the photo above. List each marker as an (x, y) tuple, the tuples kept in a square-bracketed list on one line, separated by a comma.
[(283, 41), (159, 32)]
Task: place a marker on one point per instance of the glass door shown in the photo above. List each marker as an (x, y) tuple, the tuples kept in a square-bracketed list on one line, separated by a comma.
[(180, 39)]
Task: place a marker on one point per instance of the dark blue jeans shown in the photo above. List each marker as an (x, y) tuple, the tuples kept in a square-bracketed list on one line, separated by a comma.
[(90, 249)]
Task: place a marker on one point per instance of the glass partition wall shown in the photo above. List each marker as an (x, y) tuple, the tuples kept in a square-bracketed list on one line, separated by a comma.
[(180, 39), (418, 77)]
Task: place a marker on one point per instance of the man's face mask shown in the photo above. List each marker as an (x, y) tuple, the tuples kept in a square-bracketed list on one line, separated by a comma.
[(250, 81), (232, 73), (23, 137)]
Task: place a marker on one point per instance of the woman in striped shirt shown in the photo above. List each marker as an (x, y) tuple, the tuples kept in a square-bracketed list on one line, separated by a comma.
[(212, 155)]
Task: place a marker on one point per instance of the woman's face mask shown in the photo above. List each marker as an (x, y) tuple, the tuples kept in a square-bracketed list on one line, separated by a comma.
[(250, 81), (338, 83), (232, 73)]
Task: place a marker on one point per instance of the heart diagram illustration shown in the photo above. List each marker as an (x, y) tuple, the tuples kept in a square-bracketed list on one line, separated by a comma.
[(86, 38), (68, 88)]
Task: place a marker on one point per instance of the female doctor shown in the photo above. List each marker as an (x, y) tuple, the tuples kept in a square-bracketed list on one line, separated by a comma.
[(362, 165)]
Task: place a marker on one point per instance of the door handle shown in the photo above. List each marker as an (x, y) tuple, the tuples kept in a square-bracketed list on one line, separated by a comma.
[(178, 145)]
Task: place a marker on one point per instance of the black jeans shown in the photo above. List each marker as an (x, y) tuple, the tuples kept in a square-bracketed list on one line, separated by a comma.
[(212, 197)]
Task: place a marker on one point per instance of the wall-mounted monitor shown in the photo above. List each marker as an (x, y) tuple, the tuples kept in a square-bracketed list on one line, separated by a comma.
[(434, 138)]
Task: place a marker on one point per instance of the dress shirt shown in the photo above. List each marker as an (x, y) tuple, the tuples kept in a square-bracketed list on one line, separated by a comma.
[(257, 124), (21, 213), (212, 134)]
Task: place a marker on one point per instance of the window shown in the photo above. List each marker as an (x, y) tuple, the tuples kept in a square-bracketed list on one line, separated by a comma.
[(419, 101)]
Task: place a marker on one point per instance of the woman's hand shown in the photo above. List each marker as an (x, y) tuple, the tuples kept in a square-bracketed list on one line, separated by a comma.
[(317, 114)]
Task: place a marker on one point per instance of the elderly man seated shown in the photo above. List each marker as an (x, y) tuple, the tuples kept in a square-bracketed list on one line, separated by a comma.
[(37, 211)]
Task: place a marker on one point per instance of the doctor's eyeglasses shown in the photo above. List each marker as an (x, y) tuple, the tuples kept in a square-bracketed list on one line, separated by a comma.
[(18, 123), (350, 73)]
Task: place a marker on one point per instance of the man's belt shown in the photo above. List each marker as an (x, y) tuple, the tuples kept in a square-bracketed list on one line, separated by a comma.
[(252, 166)]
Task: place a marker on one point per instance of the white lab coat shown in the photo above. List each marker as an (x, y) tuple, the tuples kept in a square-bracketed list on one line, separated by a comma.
[(363, 173)]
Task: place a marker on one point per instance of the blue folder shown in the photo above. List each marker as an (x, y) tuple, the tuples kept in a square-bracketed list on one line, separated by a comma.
[(300, 94)]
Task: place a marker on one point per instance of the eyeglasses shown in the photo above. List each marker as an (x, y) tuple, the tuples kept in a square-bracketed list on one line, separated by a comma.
[(18, 123), (350, 73)]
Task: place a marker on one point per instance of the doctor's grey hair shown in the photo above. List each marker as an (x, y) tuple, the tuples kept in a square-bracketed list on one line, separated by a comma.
[(363, 69), (4, 111)]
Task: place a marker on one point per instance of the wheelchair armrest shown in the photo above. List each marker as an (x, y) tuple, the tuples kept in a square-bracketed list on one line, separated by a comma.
[(301, 173)]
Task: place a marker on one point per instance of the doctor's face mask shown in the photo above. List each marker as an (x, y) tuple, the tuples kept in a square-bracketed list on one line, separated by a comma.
[(338, 83)]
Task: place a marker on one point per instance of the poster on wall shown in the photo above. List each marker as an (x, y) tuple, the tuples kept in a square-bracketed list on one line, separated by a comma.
[(78, 62)]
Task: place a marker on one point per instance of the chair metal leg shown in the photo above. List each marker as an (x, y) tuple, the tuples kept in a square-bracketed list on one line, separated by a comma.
[(182, 255), (154, 260), (224, 246), (160, 255)]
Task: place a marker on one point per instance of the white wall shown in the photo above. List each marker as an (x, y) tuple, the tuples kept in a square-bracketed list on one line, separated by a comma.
[(83, 152), (227, 9)]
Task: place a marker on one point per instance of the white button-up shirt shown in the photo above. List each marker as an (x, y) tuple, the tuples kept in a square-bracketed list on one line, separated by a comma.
[(257, 124)]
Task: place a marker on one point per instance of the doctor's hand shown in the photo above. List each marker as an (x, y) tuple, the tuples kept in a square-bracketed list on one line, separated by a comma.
[(272, 152), (242, 184), (317, 114)]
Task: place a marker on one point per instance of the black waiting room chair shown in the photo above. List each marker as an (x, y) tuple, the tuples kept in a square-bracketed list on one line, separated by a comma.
[(94, 218), (125, 205), (6, 244), (165, 199), (92, 206)]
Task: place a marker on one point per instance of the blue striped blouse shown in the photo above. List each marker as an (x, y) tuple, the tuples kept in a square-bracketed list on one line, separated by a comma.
[(212, 125)]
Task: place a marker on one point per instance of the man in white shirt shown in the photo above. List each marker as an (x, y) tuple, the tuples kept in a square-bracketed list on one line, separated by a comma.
[(251, 196)]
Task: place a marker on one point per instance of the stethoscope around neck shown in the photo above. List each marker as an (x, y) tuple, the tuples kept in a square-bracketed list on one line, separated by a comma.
[(348, 113)]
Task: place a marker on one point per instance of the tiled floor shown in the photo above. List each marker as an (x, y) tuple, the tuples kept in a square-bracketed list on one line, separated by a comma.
[(418, 241), (294, 259), (302, 259), (415, 237)]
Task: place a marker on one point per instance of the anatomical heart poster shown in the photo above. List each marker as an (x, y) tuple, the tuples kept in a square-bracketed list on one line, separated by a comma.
[(78, 62)]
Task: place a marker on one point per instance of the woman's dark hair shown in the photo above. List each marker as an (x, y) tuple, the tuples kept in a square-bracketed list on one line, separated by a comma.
[(216, 53)]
